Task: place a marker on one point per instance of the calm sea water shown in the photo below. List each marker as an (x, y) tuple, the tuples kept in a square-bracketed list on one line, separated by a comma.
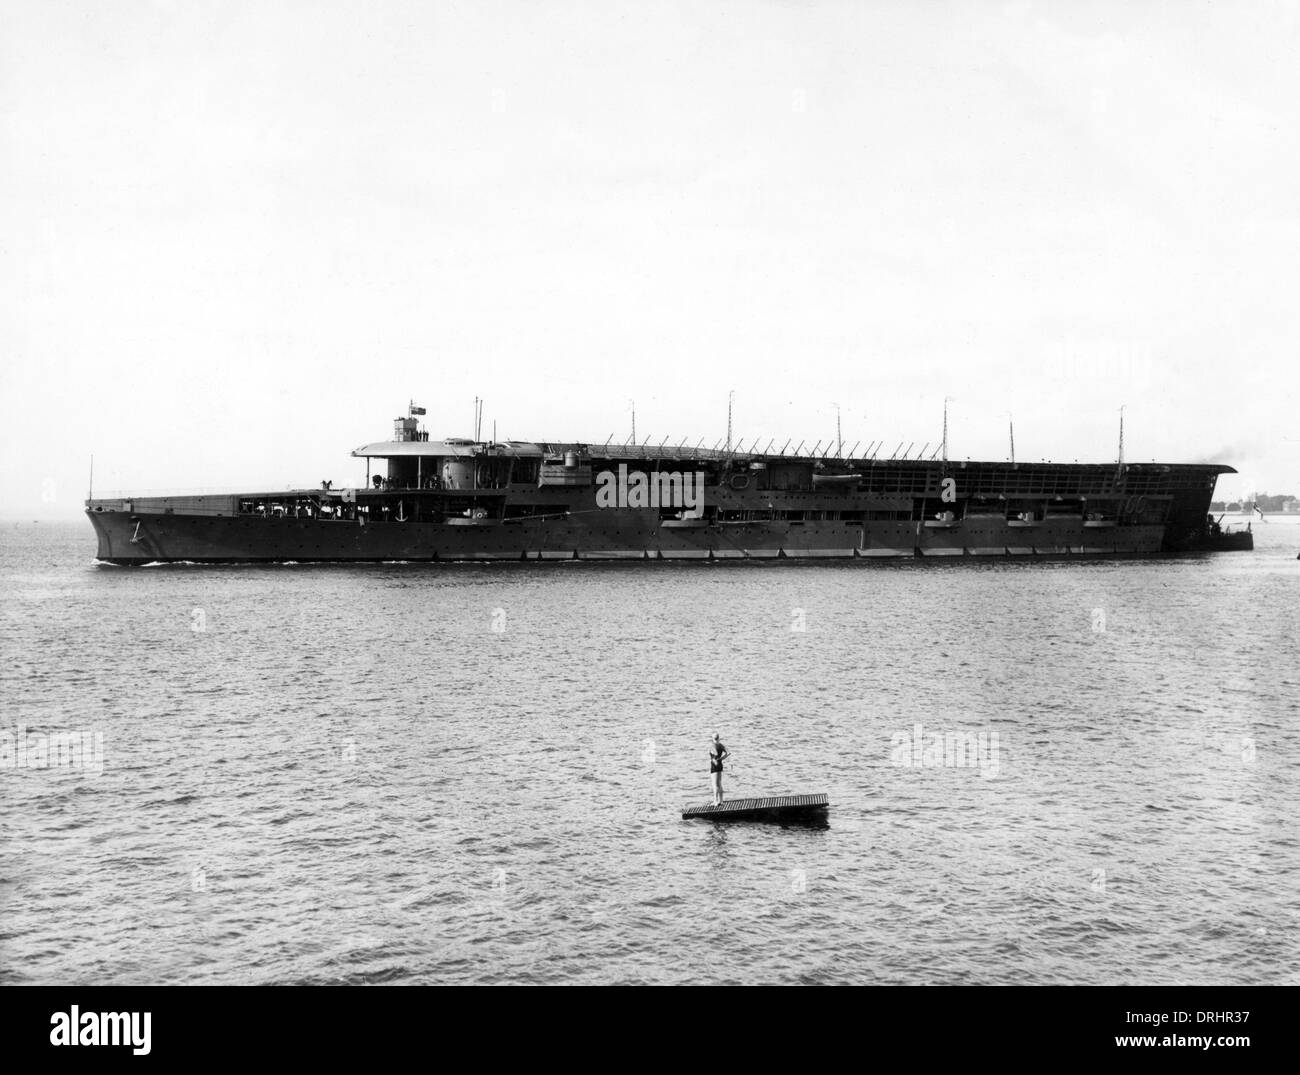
[(413, 773)]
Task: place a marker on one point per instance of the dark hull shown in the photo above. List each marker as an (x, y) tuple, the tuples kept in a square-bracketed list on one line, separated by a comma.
[(1235, 541), (127, 539)]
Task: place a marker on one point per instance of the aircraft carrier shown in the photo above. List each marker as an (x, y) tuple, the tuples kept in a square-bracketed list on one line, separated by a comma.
[(472, 499)]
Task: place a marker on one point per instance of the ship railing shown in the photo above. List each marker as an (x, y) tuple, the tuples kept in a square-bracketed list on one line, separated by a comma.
[(139, 494)]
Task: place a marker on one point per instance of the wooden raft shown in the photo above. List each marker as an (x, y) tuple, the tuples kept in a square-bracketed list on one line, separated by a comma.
[(778, 808)]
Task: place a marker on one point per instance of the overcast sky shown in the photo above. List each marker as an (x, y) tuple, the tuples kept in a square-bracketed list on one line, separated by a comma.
[(237, 238)]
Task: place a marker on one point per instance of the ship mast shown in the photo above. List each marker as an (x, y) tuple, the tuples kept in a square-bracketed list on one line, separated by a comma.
[(945, 428), (730, 396), (1119, 470)]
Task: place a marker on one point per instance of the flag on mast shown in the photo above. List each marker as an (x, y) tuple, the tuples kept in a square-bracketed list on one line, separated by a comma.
[(416, 410)]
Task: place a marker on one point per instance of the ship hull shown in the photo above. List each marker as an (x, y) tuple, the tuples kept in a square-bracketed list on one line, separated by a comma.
[(130, 539)]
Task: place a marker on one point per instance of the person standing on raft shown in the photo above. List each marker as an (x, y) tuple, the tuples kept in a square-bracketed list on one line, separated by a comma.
[(717, 754)]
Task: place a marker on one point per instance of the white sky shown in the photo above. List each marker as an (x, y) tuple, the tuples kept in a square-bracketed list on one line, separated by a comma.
[(236, 238)]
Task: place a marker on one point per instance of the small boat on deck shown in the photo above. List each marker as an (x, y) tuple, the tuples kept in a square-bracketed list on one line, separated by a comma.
[(778, 808)]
